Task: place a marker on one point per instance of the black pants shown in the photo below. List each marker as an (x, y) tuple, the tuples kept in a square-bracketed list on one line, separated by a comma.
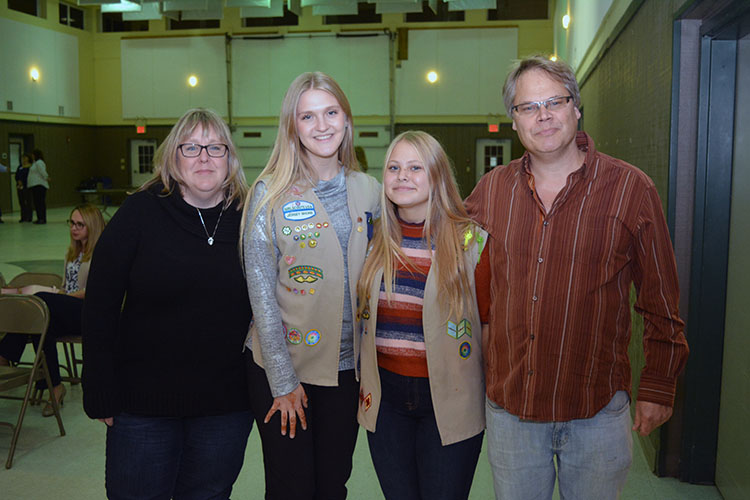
[(40, 202), (316, 464), (24, 200), (64, 319)]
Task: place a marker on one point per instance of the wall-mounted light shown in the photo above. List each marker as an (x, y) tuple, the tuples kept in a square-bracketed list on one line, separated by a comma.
[(432, 76), (34, 73), (553, 58), (192, 80), (566, 21)]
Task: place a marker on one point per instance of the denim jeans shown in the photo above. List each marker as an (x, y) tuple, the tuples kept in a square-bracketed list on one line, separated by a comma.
[(409, 458), (175, 457), (593, 454)]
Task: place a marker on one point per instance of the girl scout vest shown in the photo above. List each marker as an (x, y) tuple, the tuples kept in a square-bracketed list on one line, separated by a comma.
[(310, 284), (454, 357)]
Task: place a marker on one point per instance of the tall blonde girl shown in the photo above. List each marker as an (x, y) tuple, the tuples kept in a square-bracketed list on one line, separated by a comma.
[(305, 234), (422, 387)]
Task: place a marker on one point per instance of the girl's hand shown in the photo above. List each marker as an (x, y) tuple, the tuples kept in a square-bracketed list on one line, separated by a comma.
[(290, 406)]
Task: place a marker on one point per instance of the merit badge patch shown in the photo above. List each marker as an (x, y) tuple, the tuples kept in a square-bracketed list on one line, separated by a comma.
[(457, 331), (312, 337), (464, 350), (305, 274), (298, 210), (365, 400), (286, 230), (293, 336)]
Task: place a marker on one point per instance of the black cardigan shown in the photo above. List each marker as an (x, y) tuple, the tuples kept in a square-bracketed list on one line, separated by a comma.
[(174, 346)]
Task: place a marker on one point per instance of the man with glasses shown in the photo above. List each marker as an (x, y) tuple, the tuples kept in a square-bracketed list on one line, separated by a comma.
[(570, 230)]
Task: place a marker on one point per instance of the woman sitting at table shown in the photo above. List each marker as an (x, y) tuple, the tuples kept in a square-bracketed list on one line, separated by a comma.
[(65, 306)]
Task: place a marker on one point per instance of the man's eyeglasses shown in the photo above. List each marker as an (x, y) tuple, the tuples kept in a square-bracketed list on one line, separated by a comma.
[(190, 150), (552, 104), (75, 224)]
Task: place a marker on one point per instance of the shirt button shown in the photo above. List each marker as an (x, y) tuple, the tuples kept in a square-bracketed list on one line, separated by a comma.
[(540, 260), (532, 337), (534, 298), (531, 372), (546, 223)]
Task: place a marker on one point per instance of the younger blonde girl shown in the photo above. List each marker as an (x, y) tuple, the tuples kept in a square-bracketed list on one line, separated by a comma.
[(422, 387)]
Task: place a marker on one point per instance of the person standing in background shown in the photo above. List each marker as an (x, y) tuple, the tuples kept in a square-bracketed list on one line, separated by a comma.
[(38, 183), (24, 194)]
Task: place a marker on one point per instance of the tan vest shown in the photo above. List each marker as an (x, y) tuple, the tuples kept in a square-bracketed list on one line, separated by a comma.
[(310, 284), (454, 358)]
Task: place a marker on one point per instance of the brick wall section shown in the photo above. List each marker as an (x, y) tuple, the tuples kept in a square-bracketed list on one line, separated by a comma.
[(626, 106)]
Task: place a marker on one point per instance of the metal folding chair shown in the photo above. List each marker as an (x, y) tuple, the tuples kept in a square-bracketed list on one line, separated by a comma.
[(24, 315)]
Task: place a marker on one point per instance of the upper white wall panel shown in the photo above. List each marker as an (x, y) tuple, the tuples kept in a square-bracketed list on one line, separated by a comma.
[(471, 64), (155, 74), (54, 54), (263, 70)]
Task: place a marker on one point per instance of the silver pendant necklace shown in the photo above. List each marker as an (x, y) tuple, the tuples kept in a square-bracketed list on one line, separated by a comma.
[(211, 237)]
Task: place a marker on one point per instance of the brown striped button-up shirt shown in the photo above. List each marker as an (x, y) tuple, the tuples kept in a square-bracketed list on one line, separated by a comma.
[(560, 288)]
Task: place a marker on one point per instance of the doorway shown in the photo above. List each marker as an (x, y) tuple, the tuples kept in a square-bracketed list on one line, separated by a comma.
[(141, 160), (490, 154)]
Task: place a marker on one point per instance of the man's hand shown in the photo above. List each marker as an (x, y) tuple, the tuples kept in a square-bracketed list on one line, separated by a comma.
[(649, 416)]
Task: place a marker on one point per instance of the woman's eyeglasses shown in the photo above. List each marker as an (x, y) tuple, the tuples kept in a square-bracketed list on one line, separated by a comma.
[(75, 224)]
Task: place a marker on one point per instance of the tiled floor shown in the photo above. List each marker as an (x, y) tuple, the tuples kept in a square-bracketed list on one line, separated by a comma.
[(72, 467)]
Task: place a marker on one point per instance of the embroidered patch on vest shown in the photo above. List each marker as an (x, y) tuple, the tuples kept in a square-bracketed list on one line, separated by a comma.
[(312, 337), (365, 400), (298, 210), (458, 331), (289, 259), (293, 336), (305, 274), (286, 230), (464, 350)]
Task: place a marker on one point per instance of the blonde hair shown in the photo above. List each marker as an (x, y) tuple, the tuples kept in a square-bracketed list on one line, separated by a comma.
[(94, 221), (445, 227), (166, 170), (289, 164)]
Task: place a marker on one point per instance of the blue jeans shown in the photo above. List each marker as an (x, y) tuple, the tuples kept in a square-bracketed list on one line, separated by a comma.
[(593, 454), (175, 457), (409, 458)]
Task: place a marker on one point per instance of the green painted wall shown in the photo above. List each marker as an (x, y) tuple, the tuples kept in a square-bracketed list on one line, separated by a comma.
[(733, 454), (626, 110)]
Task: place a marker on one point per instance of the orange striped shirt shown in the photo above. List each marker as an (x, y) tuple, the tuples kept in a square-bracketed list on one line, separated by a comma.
[(560, 288)]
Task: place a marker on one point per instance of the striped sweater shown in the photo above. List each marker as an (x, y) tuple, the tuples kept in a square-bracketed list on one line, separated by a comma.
[(399, 338)]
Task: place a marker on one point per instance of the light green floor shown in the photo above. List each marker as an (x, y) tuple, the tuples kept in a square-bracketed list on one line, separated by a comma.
[(72, 467)]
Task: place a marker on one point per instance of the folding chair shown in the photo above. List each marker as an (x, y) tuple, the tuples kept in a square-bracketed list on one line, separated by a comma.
[(72, 362), (46, 279), (24, 314)]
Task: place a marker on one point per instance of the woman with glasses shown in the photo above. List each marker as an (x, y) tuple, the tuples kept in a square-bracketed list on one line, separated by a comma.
[(305, 236), (165, 320), (65, 305)]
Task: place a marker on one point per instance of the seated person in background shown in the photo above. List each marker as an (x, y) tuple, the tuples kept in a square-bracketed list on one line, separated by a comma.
[(65, 306)]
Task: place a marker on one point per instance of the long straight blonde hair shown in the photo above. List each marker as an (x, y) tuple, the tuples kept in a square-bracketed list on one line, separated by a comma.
[(445, 227), (94, 221), (289, 164)]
